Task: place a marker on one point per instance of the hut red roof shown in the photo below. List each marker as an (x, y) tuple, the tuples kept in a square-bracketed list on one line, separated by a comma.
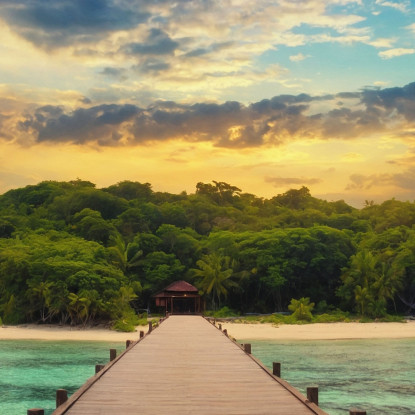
[(181, 286)]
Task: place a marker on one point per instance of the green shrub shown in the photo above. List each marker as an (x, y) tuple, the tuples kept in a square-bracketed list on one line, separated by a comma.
[(223, 313), (366, 320), (392, 319), (301, 309), (332, 317), (127, 322), (12, 313)]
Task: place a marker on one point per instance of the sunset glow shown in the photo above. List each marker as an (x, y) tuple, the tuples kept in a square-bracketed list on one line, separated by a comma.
[(265, 95)]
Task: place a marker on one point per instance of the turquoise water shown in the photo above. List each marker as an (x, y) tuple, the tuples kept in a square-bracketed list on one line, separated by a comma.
[(31, 371), (373, 375)]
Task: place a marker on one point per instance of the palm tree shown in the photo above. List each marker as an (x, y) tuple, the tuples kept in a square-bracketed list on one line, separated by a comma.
[(214, 275), (388, 282), (363, 299), (40, 292), (119, 251), (78, 308)]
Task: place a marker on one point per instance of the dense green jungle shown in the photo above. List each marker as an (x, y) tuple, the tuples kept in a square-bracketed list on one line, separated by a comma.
[(71, 253)]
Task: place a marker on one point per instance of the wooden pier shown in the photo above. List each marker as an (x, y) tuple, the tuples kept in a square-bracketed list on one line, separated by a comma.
[(186, 366)]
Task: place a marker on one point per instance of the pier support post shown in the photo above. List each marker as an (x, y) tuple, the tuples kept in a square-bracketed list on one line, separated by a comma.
[(150, 326), (276, 369), (355, 411), (312, 394), (61, 397), (141, 334), (98, 368), (220, 326), (113, 354), (247, 348), (225, 332), (128, 343), (35, 411)]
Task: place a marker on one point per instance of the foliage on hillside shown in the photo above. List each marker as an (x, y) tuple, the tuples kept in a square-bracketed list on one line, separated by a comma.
[(72, 253)]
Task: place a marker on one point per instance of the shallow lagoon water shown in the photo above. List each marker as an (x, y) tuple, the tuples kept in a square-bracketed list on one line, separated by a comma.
[(31, 371), (375, 375)]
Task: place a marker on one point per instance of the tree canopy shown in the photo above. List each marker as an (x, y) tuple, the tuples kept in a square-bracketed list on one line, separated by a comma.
[(70, 252)]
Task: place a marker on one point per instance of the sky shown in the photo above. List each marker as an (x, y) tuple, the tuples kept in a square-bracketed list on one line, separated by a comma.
[(266, 95)]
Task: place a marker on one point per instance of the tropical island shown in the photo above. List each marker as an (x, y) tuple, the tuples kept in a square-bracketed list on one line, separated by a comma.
[(74, 254)]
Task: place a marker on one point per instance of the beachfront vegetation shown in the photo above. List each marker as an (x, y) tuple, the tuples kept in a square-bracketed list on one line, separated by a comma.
[(72, 253)]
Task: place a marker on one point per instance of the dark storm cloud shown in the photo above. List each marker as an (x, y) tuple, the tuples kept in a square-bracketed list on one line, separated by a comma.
[(55, 23), (158, 42), (231, 124)]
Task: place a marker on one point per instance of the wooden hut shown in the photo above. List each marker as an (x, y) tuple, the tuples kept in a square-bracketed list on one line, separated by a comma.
[(180, 297)]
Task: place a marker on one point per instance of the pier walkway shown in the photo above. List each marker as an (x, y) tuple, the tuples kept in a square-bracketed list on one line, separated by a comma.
[(186, 366)]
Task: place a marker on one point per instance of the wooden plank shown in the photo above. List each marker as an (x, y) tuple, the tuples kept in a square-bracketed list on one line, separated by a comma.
[(188, 366)]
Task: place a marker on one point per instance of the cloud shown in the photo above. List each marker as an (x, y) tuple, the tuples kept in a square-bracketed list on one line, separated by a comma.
[(402, 6), (102, 124), (269, 122), (299, 57), (289, 181), (151, 66), (406, 159), (352, 157), (119, 73), (383, 42), (386, 104), (404, 180), (362, 182), (61, 23), (158, 42), (393, 53)]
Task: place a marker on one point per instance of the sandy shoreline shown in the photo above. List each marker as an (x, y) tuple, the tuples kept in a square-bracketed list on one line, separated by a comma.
[(318, 331), (52, 332), (322, 331)]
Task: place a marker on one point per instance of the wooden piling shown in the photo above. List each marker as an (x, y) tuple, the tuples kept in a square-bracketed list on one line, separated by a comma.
[(247, 348), (61, 397), (35, 411), (355, 411), (141, 334), (225, 332), (113, 354), (276, 369), (150, 326), (128, 343), (312, 394), (99, 368), (220, 326)]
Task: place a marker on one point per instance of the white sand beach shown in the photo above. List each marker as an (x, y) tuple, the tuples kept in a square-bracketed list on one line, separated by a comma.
[(321, 331), (55, 332), (318, 331)]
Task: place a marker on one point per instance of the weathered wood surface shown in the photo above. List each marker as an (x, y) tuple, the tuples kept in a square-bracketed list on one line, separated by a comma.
[(187, 366)]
